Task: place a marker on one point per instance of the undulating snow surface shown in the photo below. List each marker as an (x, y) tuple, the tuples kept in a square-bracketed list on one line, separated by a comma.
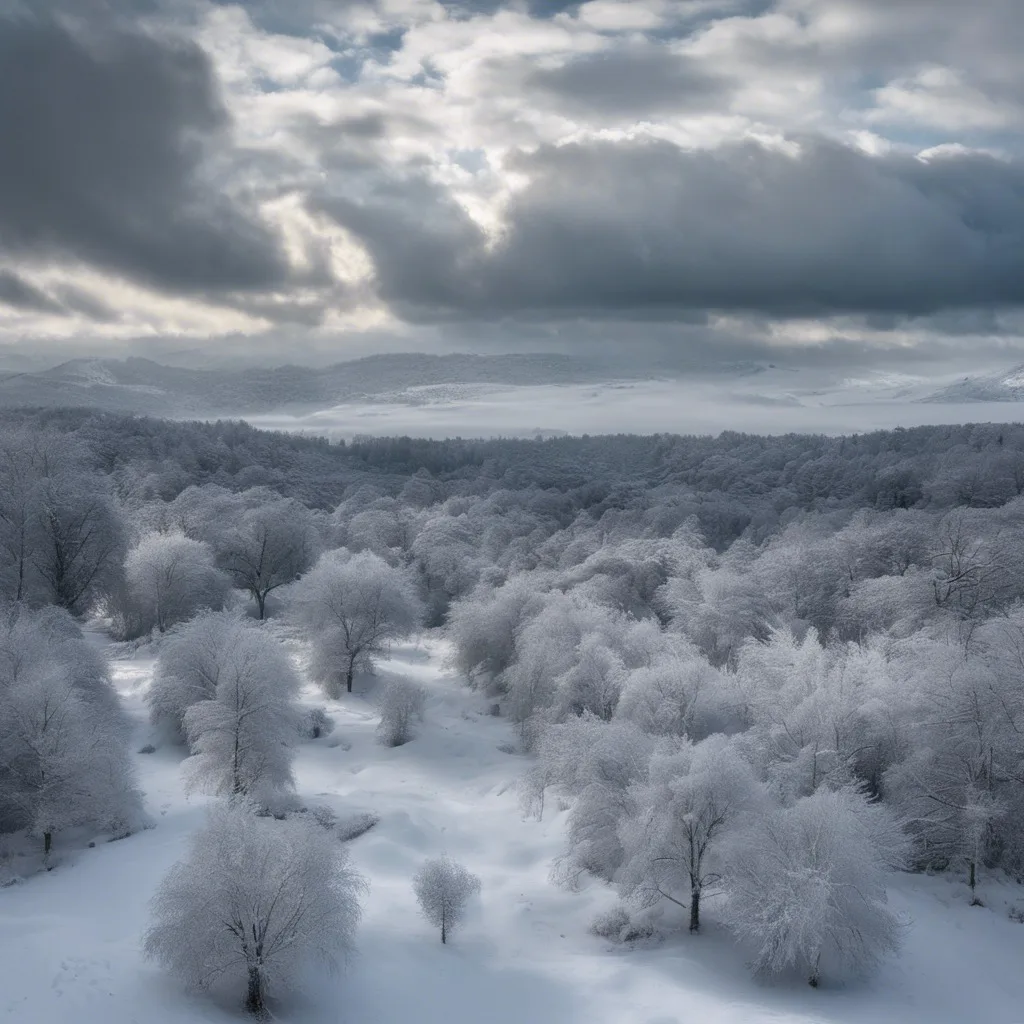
[(70, 939)]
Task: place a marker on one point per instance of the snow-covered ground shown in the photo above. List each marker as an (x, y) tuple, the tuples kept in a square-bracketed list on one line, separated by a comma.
[(70, 939)]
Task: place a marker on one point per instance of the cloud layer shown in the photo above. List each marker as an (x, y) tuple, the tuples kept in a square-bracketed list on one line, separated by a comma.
[(796, 172)]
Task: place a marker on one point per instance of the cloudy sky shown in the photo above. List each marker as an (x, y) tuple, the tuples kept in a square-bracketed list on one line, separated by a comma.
[(312, 179)]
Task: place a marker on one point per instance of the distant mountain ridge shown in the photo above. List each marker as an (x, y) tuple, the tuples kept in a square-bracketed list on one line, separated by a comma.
[(1005, 386), (140, 385)]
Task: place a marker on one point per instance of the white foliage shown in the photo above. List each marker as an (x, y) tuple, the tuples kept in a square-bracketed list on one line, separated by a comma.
[(401, 706), (189, 667), (677, 696), (242, 737), (170, 577), (353, 606), (443, 888), (63, 740), (807, 885), (686, 807), (253, 902)]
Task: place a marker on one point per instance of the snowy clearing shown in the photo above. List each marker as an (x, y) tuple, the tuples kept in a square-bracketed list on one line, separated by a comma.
[(72, 937)]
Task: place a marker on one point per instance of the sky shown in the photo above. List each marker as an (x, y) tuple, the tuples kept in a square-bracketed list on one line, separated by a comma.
[(822, 181)]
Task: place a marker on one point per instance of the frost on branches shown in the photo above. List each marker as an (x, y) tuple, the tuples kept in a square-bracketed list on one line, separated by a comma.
[(64, 760), (401, 706), (354, 606), (443, 888), (253, 902), (242, 737), (807, 885)]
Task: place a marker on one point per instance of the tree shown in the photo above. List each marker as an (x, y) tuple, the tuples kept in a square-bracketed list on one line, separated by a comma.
[(170, 578), (271, 546), (443, 889), (188, 668), (61, 540), (672, 845), (401, 705), (64, 760), (254, 900), (354, 606), (81, 541), (241, 738), (807, 884)]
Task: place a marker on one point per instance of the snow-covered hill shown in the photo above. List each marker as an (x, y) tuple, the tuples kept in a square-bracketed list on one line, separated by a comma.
[(1004, 386), (525, 956)]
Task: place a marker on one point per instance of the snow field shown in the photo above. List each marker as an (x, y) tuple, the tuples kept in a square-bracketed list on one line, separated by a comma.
[(70, 939)]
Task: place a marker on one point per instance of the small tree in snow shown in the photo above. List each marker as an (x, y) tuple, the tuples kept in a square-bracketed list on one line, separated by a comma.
[(354, 606), (253, 901), (808, 883), (401, 705), (241, 739), (443, 889)]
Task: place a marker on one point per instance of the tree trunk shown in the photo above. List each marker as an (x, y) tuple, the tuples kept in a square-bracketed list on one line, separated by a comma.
[(261, 603), (973, 881), (351, 672), (694, 909), (444, 930), (815, 972), (254, 996), (47, 843)]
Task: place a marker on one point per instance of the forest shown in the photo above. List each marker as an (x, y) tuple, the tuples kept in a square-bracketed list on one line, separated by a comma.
[(763, 673)]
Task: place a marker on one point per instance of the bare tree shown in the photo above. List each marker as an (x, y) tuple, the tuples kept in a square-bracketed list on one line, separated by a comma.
[(443, 889), (354, 606), (271, 546), (80, 541), (255, 900)]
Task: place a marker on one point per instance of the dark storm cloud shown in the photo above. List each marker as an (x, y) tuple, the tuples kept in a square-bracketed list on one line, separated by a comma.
[(647, 228), (103, 160), (19, 294), (634, 81)]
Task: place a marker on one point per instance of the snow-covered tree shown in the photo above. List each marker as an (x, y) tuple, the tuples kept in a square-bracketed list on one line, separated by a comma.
[(688, 804), (254, 901), (806, 885), (680, 695), (354, 606), (401, 705), (188, 668), (595, 764), (170, 578), (242, 737), (270, 546), (443, 888), (64, 760)]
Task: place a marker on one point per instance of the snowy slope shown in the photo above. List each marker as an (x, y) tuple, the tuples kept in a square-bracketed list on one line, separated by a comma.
[(70, 938), (1005, 386)]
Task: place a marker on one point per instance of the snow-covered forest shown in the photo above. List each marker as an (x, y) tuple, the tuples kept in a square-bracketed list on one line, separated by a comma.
[(641, 728)]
